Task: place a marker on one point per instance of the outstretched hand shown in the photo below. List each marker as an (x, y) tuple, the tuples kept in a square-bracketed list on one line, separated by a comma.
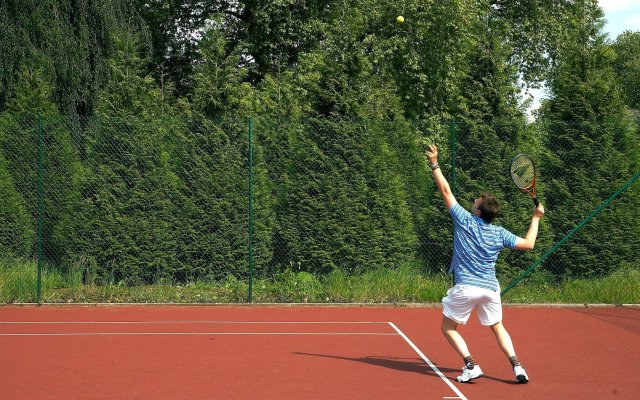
[(432, 154)]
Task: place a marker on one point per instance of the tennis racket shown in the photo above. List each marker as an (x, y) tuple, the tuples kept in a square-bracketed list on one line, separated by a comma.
[(523, 173)]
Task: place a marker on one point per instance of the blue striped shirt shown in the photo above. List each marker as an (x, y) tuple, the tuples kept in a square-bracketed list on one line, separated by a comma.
[(476, 245)]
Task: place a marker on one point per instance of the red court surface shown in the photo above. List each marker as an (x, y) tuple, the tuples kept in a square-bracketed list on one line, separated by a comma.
[(285, 352)]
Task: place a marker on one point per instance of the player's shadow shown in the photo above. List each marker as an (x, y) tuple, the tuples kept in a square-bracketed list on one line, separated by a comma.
[(416, 365)]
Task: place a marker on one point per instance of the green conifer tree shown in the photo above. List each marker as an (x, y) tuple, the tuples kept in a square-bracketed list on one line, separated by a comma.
[(128, 213), (74, 38), (213, 164), (17, 235), (31, 113), (343, 203), (592, 150)]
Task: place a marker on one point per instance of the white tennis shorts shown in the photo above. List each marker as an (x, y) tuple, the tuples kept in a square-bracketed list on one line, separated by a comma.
[(461, 300)]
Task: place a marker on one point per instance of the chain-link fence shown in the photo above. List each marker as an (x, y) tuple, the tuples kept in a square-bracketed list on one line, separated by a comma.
[(94, 204)]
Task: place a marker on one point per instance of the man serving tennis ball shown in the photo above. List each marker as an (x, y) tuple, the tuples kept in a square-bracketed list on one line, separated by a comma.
[(476, 245)]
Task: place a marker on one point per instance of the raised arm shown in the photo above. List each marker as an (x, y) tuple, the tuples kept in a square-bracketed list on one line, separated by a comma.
[(529, 241), (438, 177)]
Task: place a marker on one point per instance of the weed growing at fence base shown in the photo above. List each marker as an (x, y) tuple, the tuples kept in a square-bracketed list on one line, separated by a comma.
[(18, 283), (621, 287)]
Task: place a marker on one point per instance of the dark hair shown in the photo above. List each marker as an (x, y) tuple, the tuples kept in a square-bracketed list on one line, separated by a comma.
[(489, 207)]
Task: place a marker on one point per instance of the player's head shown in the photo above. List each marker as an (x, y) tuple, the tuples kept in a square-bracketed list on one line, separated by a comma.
[(487, 207)]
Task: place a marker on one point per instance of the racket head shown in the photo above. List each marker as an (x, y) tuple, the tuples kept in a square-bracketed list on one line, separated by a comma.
[(523, 171)]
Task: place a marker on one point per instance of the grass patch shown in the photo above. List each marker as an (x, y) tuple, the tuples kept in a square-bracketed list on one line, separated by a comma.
[(18, 284), (620, 287), (18, 281), (401, 285)]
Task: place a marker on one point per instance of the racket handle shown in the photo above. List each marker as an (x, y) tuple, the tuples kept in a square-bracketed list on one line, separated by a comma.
[(535, 201)]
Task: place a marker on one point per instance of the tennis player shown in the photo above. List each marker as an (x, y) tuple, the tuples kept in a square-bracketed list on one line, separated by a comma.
[(476, 245)]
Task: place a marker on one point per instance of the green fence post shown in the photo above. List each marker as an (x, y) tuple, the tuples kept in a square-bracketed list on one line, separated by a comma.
[(452, 129), (453, 156), (40, 144), (250, 208)]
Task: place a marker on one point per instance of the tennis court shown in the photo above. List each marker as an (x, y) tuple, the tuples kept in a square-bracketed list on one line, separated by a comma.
[(285, 352)]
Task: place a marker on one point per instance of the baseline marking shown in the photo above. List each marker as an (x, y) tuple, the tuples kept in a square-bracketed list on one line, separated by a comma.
[(200, 333), (17, 323), (433, 367), (190, 322)]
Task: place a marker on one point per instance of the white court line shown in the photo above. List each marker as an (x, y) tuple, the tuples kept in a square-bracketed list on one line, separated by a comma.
[(190, 322), (200, 334), (395, 328), (15, 323), (433, 367)]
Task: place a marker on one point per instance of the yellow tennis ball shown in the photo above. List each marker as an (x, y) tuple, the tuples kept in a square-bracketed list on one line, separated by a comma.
[(400, 19)]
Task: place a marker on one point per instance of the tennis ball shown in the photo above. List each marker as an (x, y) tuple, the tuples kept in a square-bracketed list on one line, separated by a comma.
[(400, 19)]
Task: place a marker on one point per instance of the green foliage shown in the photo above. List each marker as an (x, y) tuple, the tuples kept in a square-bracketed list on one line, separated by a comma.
[(59, 167), (153, 187), (339, 193), (537, 30), (339, 185), (16, 230), (489, 131), (291, 287), (592, 145), (380, 285), (426, 57), (276, 33), (126, 219), (627, 66), (171, 30), (71, 40), (126, 216), (130, 90), (219, 85), (211, 164), (18, 280), (620, 287)]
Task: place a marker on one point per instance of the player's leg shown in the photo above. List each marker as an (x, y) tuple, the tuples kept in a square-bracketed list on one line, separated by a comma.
[(456, 309), (506, 345), (450, 331), (490, 314), (504, 340)]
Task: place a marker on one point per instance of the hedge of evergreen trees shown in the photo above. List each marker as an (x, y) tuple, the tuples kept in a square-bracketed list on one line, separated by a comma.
[(132, 120)]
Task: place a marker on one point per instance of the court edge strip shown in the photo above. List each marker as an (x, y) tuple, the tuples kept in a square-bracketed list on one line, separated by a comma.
[(201, 334), (18, 323), (192, 322)]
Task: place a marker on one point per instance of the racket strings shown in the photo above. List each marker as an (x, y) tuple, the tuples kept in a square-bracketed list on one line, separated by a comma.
[(522, 172)]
